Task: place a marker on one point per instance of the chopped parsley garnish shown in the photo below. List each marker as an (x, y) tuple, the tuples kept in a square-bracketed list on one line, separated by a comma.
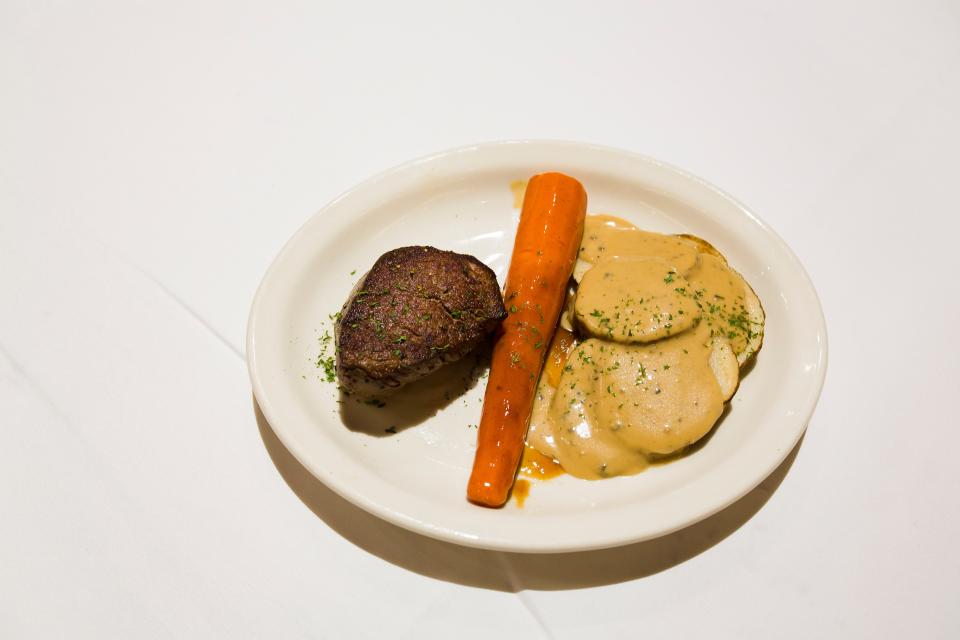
[(329, 367)]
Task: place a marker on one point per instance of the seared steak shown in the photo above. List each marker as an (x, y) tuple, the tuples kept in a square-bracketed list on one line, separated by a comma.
[(415, 310)]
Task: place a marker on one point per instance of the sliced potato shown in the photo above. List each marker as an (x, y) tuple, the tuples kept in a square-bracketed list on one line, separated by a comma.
[(567, 314), (702, 245), (754, 309), (580, 268), (634, 300), (725, 367), (758, 317)]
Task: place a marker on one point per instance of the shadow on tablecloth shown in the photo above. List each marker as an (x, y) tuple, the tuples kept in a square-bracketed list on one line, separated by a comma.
[(512, 571)]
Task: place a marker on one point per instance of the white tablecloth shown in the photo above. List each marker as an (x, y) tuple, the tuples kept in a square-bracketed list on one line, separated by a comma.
[(154, 157)]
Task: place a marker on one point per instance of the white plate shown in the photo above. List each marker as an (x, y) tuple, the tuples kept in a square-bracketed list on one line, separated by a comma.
[(461, 200)]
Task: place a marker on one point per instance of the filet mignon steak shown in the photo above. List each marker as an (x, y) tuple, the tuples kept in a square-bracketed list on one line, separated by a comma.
[(417, 309)]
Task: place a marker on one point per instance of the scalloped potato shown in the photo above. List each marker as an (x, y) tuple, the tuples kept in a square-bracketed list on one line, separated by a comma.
[(668, 324)]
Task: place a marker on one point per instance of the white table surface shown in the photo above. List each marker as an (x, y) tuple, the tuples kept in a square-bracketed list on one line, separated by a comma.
[(155, 156)]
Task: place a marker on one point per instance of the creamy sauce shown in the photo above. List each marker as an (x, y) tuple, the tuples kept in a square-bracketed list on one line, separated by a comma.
[(541, 429), (704, 279), (618, 403), (644, 386), (608, 237), (536, 466), (722, 294), (633, 300)]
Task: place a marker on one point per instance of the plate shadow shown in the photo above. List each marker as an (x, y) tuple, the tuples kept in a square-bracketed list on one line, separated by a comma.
[(420, 400), (512, 572)]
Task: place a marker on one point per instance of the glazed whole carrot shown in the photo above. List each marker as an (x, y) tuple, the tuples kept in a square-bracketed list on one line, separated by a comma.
[(544, 252)]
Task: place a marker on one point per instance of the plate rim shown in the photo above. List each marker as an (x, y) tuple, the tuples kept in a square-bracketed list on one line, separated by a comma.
[(461, 538)]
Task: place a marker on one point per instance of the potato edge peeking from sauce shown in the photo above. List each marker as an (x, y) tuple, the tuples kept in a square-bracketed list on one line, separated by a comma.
[(668, 325)]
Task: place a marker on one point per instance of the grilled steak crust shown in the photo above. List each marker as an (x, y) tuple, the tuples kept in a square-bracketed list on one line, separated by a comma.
[(417, 309)]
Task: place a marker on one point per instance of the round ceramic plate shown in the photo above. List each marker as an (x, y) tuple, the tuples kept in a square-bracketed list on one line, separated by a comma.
[(408, 461)]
